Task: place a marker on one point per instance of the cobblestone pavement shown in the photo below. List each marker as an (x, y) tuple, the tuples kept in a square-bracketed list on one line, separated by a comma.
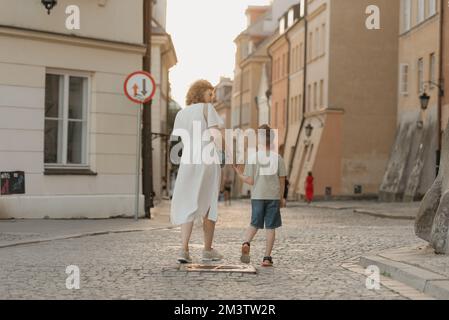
[(308, 256)]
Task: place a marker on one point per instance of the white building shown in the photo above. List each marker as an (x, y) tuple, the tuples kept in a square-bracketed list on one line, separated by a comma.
[(64, 119)]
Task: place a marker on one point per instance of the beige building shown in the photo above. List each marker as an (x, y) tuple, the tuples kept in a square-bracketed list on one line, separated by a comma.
[(163, 59), (412, 166), (251, 61), (295, 34), (64, 119), (350, 97), (223, 96)]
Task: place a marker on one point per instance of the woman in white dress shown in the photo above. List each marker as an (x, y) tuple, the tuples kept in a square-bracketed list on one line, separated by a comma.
[(197, 185)]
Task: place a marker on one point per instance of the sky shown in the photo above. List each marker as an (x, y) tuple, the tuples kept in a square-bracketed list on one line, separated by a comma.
[(203, 33)]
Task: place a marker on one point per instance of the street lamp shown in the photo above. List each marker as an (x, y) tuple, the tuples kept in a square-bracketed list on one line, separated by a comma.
[(424, 99), (309, 130), (49, 4)]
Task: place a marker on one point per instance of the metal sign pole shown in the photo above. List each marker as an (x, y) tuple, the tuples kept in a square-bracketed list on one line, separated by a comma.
[(139, 128)]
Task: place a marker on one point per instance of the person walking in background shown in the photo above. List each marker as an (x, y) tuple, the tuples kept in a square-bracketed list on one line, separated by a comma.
[(309, 188), (228, 180), (287, 184)]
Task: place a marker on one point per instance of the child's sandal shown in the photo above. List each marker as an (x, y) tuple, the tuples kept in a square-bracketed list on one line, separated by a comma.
[(267, 262), (245, 258)]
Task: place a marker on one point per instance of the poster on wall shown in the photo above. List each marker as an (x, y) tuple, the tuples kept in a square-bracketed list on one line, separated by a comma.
[(12, 183)]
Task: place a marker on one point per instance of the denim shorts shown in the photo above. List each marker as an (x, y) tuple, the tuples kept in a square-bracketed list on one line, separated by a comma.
[(266, 213)]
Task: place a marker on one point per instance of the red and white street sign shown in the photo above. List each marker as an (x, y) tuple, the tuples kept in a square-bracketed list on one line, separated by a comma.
[(140, 87)]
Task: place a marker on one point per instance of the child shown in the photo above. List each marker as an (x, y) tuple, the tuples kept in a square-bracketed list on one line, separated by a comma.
[(267, 195)]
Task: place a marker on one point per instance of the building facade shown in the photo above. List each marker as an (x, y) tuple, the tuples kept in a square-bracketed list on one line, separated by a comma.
[(223, 96), (278, 51), (445, 67), (339, 141), (64, 120), (251, 61), (413, 162), (163, 57)]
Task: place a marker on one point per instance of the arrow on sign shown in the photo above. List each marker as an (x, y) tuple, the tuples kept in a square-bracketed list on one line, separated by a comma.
[(144, 84), (135, 88)]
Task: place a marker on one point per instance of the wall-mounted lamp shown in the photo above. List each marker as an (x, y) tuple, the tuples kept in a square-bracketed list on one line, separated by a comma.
[(49, 4)]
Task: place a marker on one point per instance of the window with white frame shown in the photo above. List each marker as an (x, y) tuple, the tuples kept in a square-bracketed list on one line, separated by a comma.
[(432, 7), (421, 75), (403, 74), (406, 15), (421, 10), (66, 110)]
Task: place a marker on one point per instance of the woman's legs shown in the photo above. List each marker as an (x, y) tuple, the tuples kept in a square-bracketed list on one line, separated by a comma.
[(209, 230), (186, 232)]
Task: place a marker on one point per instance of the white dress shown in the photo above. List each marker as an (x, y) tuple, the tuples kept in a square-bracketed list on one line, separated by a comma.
[(197, 184)]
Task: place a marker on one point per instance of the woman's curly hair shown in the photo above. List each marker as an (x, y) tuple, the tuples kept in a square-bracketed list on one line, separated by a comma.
[(197, 90)]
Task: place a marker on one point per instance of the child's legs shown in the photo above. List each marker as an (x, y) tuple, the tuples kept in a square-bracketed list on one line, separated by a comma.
[(186, 232), (250, 234), (271, 236), (273, 221)]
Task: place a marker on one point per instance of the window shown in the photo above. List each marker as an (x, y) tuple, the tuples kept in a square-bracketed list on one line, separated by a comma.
[(66, 107), (323, 38), (310, 46), (432, 68), (293, 61), (403, 74), (420, 75), (315, 101), (284, 111), (406, 14), (276, 115), (282, 26), (317, 42), (283, 66), (300, 55), (321, 93), (309, 94), (420, 15), (432, 7), (292, 110), (299, 106), (285, 63), (291, 17)]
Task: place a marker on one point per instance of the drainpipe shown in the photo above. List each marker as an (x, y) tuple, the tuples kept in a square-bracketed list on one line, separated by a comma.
[(441, 83), (304, 89), (147, 148)]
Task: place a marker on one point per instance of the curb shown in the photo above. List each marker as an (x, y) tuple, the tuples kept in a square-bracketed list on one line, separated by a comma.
[(80, 235), (425, 281), (383, 215)]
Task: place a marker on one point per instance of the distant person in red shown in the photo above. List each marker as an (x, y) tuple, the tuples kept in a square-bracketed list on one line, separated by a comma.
[(309, 188)]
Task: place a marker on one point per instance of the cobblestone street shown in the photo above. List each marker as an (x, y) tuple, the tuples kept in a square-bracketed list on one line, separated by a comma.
[(309, 253)]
